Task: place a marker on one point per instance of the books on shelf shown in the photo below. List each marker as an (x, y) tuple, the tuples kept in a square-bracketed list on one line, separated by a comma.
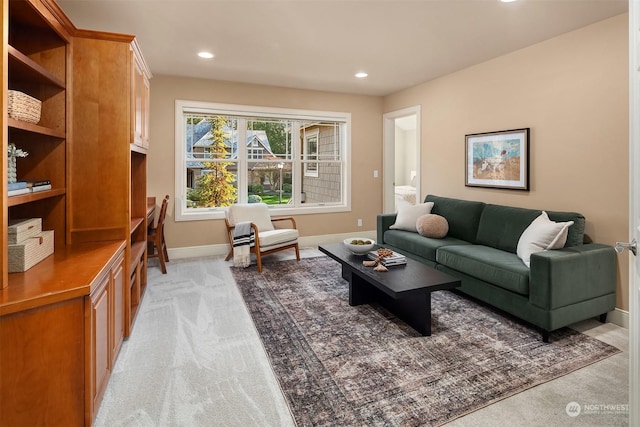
[(16, 185), (394, 259), (19, 191), (38, 183), (41, 188), (25, 187)]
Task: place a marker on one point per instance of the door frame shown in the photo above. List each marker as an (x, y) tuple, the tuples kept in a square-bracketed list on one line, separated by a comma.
[(388, 155), (634, 211)]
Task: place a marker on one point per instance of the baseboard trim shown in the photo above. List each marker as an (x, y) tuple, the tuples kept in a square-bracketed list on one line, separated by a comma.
[(619, 317), (616, 316), (223, 249)]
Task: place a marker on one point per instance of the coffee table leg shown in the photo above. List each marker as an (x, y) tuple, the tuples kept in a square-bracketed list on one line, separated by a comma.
[(427, 323), (415, 311), (360, 292)]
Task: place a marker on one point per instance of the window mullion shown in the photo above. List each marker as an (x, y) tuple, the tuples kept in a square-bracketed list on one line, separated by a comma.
[(297, 164), (243, 165)]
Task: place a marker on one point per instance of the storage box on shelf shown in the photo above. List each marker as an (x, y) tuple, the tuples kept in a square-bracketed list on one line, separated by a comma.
[(27, 253), (21, 229), (28, 244)]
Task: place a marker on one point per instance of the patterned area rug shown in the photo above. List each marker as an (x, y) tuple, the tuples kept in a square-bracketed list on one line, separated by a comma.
[(343, 365)]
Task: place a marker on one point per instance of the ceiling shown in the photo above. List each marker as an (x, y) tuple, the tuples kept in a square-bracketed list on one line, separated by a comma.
[(321, 44)]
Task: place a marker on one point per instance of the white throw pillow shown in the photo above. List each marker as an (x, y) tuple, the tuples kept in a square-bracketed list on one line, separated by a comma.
[(409, 214), (541, 235)]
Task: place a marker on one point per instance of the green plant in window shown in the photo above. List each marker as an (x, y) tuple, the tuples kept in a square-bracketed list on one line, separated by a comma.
[(217, 184)]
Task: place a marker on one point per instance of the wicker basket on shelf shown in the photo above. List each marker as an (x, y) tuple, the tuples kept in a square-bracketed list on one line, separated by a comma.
[(23, 107)]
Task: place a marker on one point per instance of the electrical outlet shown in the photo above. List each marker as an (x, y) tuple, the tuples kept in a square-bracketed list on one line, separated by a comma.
[(359, 222), (375, 173)]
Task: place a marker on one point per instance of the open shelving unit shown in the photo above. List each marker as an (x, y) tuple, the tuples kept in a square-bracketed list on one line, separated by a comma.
[(36, 62)]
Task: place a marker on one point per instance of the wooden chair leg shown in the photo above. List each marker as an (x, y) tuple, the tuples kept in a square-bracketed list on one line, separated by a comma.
[(259, 262), (163, 267), (297, 252), (229, 255), (164, 251)]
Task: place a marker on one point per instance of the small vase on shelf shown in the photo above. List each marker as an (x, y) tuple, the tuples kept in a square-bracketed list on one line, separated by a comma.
[(11, 172), (14, 153)]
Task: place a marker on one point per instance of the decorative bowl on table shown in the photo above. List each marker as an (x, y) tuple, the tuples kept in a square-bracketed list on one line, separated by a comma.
[(359, 245)]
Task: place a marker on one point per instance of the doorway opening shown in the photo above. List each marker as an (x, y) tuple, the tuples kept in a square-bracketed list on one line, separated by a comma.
[(401, 158)]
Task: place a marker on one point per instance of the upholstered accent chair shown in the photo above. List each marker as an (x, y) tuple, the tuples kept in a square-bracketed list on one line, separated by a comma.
[(270, 234)]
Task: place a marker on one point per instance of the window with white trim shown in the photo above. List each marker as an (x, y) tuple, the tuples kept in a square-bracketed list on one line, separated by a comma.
[(295, 161)]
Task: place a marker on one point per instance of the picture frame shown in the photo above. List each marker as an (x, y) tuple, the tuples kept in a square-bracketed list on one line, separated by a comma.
[(498, 159)]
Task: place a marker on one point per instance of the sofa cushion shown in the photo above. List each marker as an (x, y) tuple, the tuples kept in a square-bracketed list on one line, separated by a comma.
[(277, 237), (409, 214), (432, 225), (501, 226), (494, 266), (575, 236), (463, 216), (542, 234), (418, 245)]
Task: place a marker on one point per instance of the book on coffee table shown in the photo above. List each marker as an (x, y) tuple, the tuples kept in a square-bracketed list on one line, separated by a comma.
[(394, 259)]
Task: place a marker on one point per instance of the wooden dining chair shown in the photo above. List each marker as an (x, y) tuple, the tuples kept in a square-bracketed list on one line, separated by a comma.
[(156, 244)]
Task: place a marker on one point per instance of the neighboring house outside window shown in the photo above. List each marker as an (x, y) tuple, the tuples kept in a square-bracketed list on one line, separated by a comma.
[(214, 170)]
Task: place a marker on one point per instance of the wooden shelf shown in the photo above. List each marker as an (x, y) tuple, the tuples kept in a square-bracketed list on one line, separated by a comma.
[(138, 149), (137, 250), (24, 69), (135, 223), (20, 126), (32, 197)]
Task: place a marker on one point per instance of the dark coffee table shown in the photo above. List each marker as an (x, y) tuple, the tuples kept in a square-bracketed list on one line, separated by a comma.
[(405, 290)]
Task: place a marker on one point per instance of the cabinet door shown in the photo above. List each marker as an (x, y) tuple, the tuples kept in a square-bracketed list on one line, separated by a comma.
[(146, 102), (118, 308), (41, 366), (100, 343), (138, 103)]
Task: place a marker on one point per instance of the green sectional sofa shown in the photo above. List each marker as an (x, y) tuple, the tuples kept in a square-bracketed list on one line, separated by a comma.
[(561, 286)]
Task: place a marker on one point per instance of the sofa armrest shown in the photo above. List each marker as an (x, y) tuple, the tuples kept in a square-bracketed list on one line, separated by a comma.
[(569, 275), (384, 221)]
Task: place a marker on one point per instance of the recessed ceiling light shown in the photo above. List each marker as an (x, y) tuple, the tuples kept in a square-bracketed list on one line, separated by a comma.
[(206, 55), (507, 1), (361, 75)]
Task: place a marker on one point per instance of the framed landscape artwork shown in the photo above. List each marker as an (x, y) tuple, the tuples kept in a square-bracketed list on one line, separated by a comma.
[(498, 159)]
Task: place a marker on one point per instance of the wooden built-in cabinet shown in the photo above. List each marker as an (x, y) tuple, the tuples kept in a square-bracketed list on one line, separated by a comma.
[(73, 309), (106, 112), (59, 342)]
